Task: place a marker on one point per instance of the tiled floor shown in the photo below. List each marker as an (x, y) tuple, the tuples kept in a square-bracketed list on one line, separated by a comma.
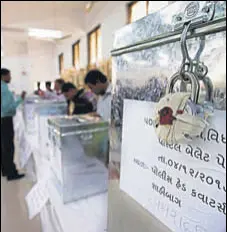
[(14, 216)]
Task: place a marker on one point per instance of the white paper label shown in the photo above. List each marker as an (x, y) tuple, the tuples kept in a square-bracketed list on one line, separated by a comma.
[(25, 150), (37, 198), (184, 186)]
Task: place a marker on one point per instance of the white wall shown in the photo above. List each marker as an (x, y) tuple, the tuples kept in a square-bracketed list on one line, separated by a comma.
[(42, 55), (111, 16), (16, 59), (65, 47), (19, 66), (29, 61), (39, 59)]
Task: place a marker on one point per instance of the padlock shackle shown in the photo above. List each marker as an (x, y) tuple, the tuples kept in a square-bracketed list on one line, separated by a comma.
[(191, 64), (184, 50), (192, 79), (201, 48), (209, 89)]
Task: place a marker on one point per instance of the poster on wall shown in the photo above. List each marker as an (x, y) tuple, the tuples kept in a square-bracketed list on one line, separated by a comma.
[(184, 186)]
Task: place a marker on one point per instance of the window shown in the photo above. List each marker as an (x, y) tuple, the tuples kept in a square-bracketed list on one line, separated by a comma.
[(61, 63), (137, 10), (94, 46), (76, 54), (140, 9)]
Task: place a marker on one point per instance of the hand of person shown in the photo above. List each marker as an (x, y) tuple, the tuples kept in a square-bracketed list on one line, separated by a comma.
[(94, 114), (23, 94), (41, 93)]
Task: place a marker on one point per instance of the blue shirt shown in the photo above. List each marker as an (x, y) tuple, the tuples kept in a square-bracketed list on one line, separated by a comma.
[(8, 103)]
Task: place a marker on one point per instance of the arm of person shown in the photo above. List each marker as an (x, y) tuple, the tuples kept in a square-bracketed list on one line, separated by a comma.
[(8, 103), (48, 95), (95, 114), (104, 108)]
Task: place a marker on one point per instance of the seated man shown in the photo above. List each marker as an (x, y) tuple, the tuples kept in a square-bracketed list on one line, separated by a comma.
[(56, 94), (48, 94), (37, 92), (48, 87), (57, 90), (81, 104)]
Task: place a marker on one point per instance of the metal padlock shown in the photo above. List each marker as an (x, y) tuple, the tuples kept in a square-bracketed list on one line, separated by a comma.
[(191, 78), (178, 115)]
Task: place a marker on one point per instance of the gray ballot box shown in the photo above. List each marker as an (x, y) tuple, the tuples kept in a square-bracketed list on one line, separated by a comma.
[(36, 113), (79, 154)]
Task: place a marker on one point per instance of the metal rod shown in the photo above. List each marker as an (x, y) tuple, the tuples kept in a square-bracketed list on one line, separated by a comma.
[(206, 29)]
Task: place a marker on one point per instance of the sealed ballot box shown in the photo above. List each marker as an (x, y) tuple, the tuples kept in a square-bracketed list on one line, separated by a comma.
[(36, 113), (79, 154)]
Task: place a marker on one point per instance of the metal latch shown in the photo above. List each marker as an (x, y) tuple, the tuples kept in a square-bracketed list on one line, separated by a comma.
[(196, 13)]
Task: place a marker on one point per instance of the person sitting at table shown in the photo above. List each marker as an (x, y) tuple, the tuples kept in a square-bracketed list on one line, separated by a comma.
[(75, 97), (48, 94), (48, 87), (55, 94), (57, 89), (37, 92)]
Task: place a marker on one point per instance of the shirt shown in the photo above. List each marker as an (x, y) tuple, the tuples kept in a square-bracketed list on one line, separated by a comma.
[(54, 96), (8, 102), (104, 104), (92, 98), (81, 104)]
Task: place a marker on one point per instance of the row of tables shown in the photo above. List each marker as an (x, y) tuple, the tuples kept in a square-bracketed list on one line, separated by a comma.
[(87, 215)]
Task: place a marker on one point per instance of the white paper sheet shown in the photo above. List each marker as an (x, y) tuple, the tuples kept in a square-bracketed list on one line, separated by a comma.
[(25, 150), (184, 186), (37, 198)]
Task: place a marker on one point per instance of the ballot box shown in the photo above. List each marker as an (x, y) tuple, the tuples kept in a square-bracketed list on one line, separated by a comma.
[(79, 155)]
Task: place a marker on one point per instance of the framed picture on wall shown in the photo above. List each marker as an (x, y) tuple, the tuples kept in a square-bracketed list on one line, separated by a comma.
[(61, 63)]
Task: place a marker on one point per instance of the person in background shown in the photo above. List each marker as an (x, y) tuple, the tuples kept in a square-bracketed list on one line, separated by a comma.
[(58, 89), (48, 86), (48, 94), (8, 111), (99, 85), (56, 94), (37, 92), (81, 104)]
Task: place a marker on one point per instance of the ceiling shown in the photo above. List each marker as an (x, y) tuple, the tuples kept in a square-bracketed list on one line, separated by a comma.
[(18, 16)]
